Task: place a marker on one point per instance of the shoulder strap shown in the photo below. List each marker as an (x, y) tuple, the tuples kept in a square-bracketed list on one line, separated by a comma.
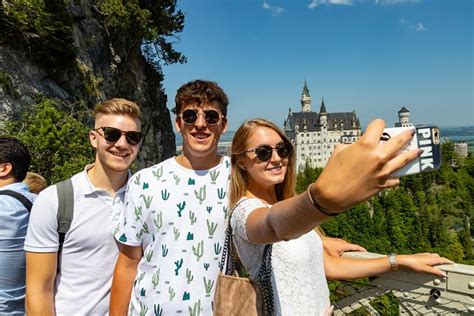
[(65, 205), (65, 212), (232, 262), (20, 197)]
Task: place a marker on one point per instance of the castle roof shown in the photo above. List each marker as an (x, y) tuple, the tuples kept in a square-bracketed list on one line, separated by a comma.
[(403, 110), (311, 121)]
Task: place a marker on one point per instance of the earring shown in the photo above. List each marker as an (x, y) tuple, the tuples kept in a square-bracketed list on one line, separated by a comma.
[(242, 167)]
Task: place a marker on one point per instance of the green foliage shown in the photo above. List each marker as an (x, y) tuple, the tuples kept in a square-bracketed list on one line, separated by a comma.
[(92, 84), (57, 140), (306, 177), (6, 84), (386, 305), (427, 212), (153, 23), (430, 212), (42, 28)]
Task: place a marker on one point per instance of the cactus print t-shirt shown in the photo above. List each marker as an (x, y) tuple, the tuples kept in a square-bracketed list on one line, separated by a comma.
[(178, 215)]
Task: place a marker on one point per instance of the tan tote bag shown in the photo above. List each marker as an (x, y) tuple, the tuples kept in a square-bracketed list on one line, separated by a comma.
[(240, 296)]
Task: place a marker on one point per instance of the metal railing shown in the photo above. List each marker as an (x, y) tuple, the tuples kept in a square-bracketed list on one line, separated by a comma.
[(417, 293)]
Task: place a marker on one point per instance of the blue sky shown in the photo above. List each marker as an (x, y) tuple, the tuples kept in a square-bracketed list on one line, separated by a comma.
[(373, 56)]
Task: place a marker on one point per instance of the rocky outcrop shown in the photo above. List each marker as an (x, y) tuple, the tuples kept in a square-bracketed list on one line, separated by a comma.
[(106, 66)]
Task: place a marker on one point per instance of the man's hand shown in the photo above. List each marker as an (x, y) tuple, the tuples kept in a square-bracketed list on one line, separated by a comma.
[(335, 247)]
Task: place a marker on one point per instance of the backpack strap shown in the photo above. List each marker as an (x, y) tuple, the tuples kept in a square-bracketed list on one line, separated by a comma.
[(20, 197), (65, 210)]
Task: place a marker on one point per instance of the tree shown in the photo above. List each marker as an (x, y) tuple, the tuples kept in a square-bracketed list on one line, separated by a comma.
[(152, 23), (306, 177), (42, 28), (57, 140)]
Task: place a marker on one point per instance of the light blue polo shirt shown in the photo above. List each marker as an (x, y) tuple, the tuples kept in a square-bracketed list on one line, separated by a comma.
[(13, 226)]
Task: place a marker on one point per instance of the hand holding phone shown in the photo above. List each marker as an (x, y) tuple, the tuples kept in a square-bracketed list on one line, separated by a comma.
[(426, 138)]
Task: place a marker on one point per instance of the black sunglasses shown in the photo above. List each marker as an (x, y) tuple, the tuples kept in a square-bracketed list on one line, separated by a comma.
[(264, 152), (190, 116), (112, 134)]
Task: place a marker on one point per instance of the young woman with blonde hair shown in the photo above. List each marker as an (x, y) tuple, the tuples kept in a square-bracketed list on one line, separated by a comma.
[(267, 211)]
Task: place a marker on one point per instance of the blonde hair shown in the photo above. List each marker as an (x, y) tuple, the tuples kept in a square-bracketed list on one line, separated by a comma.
[(239, 180), (117, 106), (35, 182)]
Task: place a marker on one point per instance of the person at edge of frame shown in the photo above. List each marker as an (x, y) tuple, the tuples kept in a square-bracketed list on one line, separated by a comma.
[(15, 161)]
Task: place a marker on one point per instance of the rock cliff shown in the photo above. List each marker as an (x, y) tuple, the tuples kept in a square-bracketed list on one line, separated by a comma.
[(105, 65)]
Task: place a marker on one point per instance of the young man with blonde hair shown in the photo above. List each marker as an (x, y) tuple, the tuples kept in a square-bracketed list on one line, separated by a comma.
[(77, 278)]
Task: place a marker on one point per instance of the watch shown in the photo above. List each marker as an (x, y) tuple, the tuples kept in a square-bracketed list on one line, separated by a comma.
[(393, 261)]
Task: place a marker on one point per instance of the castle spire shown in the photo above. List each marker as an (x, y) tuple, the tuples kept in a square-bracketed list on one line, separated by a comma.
[(323, 107), (305, 99), (305, 90)]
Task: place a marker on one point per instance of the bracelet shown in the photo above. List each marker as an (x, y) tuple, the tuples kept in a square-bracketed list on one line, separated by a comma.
[(317, 206), (393, 261)]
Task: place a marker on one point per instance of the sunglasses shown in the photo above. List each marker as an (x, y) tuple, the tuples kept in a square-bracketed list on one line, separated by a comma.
[(190, 116), (264, 152), (112, 134)]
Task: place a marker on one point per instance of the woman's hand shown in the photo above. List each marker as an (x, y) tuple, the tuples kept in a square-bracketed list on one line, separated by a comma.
[(423, 262), (357, 171), (335, 247)]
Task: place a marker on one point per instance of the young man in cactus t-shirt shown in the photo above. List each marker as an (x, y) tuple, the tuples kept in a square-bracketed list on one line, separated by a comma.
[(172, 229)]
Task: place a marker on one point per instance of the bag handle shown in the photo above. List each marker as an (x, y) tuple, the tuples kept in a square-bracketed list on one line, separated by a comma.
[(232, 263)]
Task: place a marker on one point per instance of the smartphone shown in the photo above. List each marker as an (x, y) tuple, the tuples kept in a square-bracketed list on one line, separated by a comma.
[(427, 138)]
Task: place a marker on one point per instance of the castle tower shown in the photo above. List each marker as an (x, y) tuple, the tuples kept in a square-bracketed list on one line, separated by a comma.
[(305, 99), (403, 118)]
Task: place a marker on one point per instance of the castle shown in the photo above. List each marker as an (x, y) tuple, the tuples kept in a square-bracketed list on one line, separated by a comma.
[(315, 135)]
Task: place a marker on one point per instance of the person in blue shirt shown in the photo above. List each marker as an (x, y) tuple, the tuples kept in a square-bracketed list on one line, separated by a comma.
[(14, 215)]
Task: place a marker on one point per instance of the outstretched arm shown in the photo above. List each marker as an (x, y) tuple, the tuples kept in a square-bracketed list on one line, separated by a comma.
[(124, 275), (353, 174), (340, 268)]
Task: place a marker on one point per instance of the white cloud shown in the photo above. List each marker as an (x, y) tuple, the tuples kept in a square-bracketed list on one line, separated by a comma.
[(313, 4), (420, 27), (276, 10), (316, 3), (394, 2)]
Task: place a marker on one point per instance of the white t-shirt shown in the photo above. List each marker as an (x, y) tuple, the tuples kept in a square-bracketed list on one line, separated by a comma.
[(89, 252), (178, 217), (298, 279)]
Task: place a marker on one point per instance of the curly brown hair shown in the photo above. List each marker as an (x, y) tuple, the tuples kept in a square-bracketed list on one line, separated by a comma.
[(201, 92)]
